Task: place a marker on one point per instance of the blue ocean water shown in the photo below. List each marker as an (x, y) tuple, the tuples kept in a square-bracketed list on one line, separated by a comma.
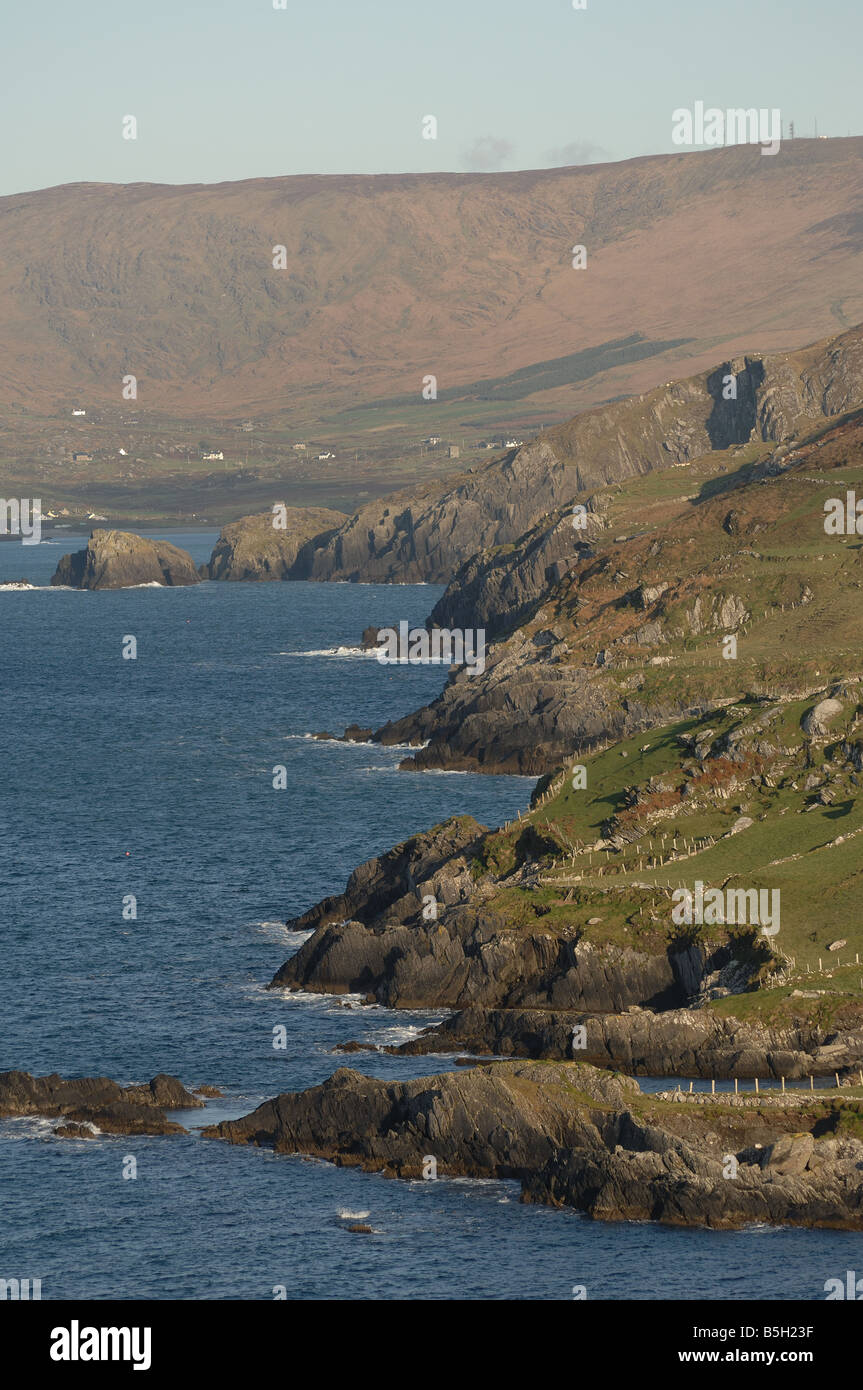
[(153, 778)]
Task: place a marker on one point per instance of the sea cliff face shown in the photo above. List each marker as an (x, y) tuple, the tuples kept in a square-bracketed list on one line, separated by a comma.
[(256, 547), (120, 560), (642, 1042)]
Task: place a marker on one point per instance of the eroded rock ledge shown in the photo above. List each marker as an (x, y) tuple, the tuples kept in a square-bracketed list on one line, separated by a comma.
[(578, 1136), (96, 1101), (680, 1042)]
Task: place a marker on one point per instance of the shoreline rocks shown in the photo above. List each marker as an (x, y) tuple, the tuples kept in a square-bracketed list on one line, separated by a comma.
[(97, 1101)]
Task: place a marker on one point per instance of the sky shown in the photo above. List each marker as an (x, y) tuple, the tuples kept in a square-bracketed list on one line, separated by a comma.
[(235, 89)]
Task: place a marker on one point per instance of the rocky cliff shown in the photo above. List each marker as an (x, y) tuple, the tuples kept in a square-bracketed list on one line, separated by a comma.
[(777, 399), (565, 918), (428, 534), (627, 631), (641, 1042), (120, 560)]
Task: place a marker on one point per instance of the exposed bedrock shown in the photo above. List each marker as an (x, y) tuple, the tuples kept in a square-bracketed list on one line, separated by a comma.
[(96, 1101), (498, 589), (525, 714), (427, 533), (391, 882), (578, 1136), (255, 547), (680, 1042), (121, 560), (374, 939), (473, 957)]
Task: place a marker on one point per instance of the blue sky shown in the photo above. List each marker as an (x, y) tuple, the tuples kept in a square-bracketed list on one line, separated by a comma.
[(237, 89)]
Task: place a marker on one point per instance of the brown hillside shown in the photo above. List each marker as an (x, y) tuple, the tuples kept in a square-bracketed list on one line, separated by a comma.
[(467, 276)]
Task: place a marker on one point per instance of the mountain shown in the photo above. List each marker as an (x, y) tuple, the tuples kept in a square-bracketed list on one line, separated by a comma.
[(469, 277)]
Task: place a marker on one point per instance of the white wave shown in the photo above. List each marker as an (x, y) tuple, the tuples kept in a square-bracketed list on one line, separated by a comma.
[(446, 772), (361, 743), (334, 651), (302, 996), (346, 1215), (395, 1035), (85, 1124), (27, 1127), (277, 931), (39, 589)]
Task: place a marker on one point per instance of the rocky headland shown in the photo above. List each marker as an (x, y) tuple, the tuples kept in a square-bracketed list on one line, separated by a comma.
[(559, 925), (256, 548), (577, 1136)]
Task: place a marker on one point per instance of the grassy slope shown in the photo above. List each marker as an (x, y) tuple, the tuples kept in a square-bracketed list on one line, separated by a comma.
[(786, 656)]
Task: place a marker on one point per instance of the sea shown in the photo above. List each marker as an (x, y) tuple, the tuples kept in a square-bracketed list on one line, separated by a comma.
[(147, 867)]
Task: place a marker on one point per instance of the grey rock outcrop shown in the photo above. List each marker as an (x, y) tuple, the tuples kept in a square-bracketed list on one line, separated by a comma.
[(428, 533), (472, 956), (572, 1135), (678, 1042), (121, 560)]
